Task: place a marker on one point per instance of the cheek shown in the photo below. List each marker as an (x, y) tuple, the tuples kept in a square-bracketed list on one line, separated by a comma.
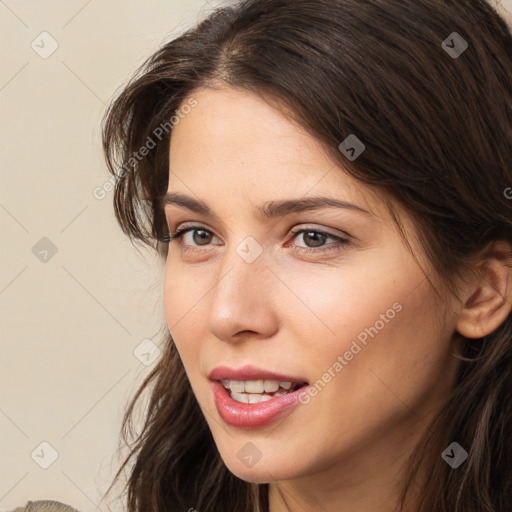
[(184, 289), (380, 319), (392, 367), (331, 307), (183, 315), (172, 290)]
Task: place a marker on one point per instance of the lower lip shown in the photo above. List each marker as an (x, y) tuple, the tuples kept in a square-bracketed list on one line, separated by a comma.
[(242, 415)]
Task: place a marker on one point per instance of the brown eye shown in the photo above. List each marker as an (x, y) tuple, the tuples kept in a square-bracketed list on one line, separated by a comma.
[(200, 236), (316, 238)]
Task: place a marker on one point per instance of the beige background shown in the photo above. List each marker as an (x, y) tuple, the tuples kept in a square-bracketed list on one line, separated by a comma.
[(76, 326)]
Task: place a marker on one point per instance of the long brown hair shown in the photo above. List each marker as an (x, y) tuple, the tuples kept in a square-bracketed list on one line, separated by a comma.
[(437, 127)]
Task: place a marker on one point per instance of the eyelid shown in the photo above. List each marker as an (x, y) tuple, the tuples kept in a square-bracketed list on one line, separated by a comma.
[(340, 240), (183, 226), (320, 229), (293, 231)]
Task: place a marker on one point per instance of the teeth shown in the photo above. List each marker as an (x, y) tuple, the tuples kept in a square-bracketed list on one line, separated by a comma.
[(253, 398), (240, 397), (256, 398), (251, 391), (271, 386), (237, 386), (256, 386)]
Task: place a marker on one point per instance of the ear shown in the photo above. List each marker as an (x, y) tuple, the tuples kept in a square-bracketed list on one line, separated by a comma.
[(488, 298)]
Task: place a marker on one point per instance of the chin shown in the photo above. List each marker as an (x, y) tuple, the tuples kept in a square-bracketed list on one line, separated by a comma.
[(262, 472), (259, 476)]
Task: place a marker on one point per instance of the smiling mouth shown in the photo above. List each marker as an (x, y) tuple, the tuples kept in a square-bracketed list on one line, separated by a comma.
[(256, 391)]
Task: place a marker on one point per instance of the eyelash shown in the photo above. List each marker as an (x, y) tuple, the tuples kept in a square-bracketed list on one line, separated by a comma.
[(340, 241)]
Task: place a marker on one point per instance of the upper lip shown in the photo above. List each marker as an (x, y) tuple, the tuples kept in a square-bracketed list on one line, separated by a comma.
[(250, 372)]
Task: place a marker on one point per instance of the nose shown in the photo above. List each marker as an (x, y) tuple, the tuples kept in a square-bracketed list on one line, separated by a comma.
[(242, 301)]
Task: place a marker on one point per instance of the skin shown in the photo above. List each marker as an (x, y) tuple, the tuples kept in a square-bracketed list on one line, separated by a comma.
[(295, 312)]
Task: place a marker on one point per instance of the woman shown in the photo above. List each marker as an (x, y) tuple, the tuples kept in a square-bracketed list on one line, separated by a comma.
[(328, 183)]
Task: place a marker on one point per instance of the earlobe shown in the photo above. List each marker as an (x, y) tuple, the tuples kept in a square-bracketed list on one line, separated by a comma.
[(489, 300)]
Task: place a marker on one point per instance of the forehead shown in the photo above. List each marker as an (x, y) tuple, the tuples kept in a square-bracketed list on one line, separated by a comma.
[(236, 144)]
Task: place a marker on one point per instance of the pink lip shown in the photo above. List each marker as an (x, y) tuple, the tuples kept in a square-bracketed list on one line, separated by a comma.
[(243, 415), (249, 372), (247, 416)]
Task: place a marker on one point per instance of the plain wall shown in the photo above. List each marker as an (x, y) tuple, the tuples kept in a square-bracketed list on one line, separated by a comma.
[(72, 321)]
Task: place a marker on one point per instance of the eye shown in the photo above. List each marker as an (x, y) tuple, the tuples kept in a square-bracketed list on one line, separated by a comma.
[(202, 236), (317, 238)]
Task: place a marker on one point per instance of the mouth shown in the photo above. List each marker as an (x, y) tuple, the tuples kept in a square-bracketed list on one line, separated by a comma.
[(249, 404), (252, 397), (256, 391)]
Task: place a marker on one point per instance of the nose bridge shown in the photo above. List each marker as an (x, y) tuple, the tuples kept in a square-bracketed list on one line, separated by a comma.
[(238, 273), (240, 298)]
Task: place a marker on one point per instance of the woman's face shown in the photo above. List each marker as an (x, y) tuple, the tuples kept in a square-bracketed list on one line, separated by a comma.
[(354, 317)]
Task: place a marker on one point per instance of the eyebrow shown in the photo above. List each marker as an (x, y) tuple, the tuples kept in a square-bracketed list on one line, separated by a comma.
[(270, 209)]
